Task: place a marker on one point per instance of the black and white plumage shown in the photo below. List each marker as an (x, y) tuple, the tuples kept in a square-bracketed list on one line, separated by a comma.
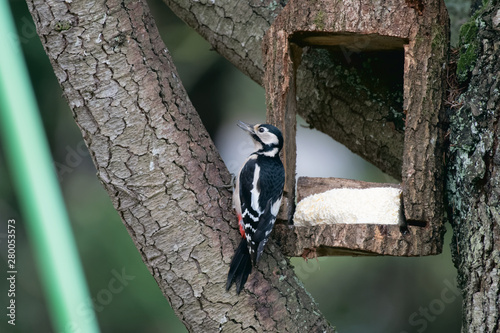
[(256, 198)]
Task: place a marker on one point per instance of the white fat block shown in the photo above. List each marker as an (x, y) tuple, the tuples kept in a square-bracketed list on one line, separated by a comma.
[(378, 205)]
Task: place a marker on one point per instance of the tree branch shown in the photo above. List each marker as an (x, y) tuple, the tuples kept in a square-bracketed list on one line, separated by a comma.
[(160, 168)]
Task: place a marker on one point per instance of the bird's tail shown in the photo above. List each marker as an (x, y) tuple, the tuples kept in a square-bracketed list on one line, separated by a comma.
[(241, 267)]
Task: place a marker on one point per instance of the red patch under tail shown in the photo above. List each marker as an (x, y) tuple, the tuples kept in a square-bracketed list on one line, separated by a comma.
[(242, 228)]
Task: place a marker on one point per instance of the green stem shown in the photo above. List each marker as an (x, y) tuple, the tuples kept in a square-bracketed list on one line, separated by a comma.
[(38, 191)]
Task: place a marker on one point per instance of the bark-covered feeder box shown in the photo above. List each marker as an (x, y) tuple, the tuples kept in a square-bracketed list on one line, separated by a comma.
[(419, 32)]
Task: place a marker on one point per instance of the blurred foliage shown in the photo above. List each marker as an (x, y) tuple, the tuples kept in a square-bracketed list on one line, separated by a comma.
[(361, 294)]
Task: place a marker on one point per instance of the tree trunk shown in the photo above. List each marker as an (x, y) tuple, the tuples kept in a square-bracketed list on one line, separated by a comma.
[(473, 182), (161, 170)]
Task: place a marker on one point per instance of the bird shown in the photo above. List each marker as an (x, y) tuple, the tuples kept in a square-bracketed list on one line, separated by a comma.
[(257, 198)]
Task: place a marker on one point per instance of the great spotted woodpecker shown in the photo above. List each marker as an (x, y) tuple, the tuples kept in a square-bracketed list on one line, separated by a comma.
[(256, 199)]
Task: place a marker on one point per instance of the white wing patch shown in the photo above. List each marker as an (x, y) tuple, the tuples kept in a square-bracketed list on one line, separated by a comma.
[(255, 192), (275, 207)]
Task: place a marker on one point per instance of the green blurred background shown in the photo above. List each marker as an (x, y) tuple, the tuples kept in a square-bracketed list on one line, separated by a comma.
[(380, 294)]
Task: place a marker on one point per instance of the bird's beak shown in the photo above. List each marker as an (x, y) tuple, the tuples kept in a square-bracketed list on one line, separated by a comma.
[(246, 127)]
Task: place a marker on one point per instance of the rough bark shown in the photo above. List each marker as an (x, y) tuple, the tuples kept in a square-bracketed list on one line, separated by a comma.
[(473, 183), (370, 125), (160, 168), (423, 154)]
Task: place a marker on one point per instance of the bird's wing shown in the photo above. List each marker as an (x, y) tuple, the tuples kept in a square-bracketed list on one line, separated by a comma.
[(249, 194)]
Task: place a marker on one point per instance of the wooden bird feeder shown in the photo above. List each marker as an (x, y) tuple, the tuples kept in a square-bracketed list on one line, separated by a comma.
[(420, 32)]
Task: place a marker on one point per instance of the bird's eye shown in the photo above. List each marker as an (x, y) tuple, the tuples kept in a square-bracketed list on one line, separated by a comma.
[(262, 130)]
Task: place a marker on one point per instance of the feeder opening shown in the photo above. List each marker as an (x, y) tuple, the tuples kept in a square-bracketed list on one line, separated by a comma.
[(369, 67)]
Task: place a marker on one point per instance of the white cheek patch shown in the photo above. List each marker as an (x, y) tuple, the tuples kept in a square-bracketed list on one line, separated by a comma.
[(269, 138)]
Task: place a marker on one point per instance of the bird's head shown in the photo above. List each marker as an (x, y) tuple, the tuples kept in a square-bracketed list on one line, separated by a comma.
[(267, 138)]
